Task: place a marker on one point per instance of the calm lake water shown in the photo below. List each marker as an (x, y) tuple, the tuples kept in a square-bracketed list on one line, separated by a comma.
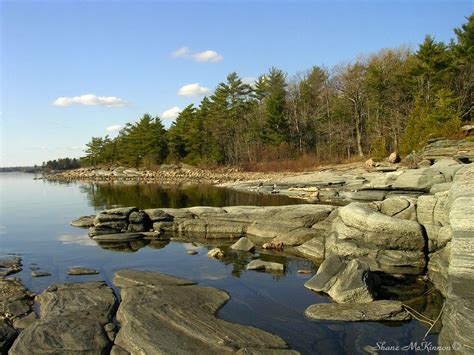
[(34, 223)]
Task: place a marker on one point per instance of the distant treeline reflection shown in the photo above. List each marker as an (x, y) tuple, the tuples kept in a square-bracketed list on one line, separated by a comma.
[(108, 195)]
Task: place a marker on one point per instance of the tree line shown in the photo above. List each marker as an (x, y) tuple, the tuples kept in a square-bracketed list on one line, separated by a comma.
[(392, 100)]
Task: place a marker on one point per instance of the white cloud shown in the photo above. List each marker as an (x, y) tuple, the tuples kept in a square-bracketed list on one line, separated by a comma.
[(181, 52), (171, 114), (208, 56), (193, 90), (90, 100), (249, 80), (114, 128), (205, 56)]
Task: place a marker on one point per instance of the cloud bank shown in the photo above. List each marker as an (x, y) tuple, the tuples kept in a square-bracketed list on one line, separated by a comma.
[(209, 55), (193, 90), (90, 100), (171, 113)]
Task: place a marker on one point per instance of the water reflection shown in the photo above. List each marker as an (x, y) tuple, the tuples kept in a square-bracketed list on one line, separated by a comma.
[(106, 195)]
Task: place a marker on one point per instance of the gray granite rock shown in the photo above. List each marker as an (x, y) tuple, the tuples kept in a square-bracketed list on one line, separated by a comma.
[(182, 316), (40, 274), (15, 299), (7, 336), (374, 311), (74, 271), (118, 237), (83, 222), (243, 244), (345, 281), (9, 265), (265, 266)]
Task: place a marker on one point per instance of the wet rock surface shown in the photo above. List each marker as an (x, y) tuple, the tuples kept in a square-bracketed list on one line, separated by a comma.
[(374, 311), (9, 265), (76, 271), (182, 316)]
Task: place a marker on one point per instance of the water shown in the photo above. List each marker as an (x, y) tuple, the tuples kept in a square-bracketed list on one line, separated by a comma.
[(34, 223)]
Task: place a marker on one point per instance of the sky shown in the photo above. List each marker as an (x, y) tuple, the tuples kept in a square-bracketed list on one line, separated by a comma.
[(71, 70)]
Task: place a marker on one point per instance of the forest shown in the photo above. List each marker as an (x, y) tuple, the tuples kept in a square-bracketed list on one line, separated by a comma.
[(393, 100)]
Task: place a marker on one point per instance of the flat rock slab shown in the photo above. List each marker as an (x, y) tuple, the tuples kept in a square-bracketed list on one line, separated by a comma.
[(81, 271), (118, 237), (72, 321), (92, 299), (65, 335), (265, 266), (243, 244), (355, 312), (130, 278), (40, 274), (83, 222), (177, 317)]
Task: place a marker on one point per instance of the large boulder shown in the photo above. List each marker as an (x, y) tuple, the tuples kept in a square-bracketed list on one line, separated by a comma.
[(384, 242)]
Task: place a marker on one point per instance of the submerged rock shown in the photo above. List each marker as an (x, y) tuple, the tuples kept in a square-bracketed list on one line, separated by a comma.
[(215, 253), (265, 266), (40, 274), (81, 271), (84, 222), (181, 316), (118, 237), (374, 311), (243, 244)]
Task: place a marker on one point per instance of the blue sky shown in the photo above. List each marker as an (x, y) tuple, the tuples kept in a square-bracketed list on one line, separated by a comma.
[(120, 53)]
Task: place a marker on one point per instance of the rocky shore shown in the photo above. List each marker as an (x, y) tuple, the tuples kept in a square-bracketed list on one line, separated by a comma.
[(377, 235)]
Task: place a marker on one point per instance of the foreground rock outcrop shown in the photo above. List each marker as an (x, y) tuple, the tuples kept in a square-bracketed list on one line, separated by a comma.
[(72, 320), (163, 314)]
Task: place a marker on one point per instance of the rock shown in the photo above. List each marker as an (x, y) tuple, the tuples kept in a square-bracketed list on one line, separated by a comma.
[(7, 335), (312, 249), (394, 158), (458, 322), (130, 278), (15, 300), (265, 266), (25, 321), (243, 244), (167, 214), (117, 350), (81, 271), (138, 217), (83, 222), (305, 271), (299, 236), (446, 148), (9, 265), (65, 335), (40, 274), (72, 319), (215, 253), (345, 282), (137, 228), (92, 299), (379, 229), (118, 237), (374, 311), (95, 231), (191, 252), (182, 317), (399, 207), (369, 164)]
